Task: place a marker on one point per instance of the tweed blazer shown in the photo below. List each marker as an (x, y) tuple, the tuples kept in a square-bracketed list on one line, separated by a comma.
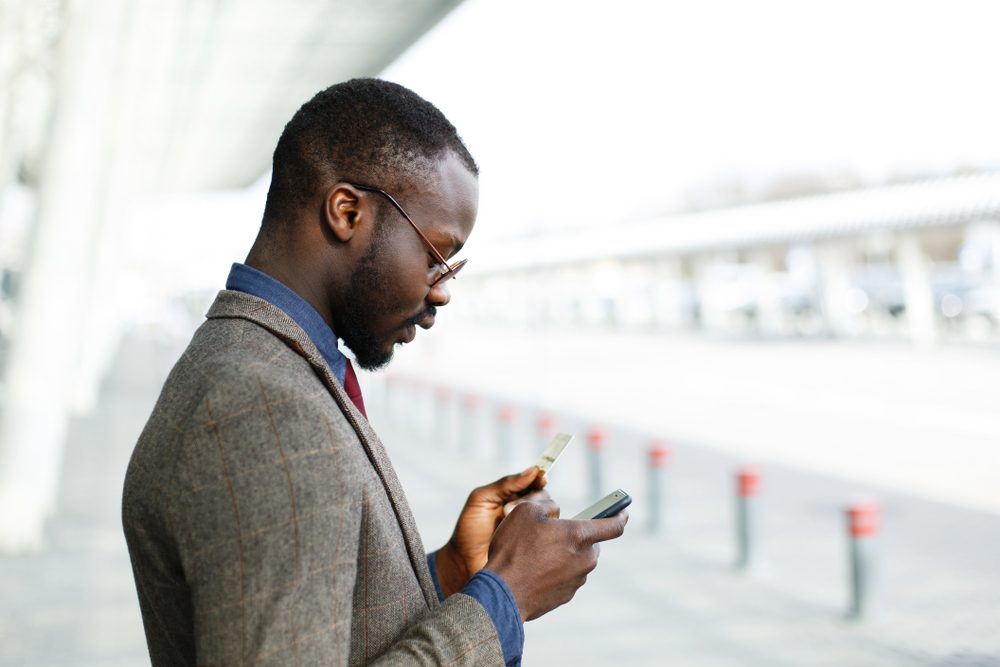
[(264, 520)]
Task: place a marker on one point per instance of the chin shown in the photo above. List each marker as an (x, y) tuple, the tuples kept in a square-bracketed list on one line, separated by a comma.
[(372, 358)]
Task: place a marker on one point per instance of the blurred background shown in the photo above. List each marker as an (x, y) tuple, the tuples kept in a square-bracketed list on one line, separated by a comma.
[(748, 253)]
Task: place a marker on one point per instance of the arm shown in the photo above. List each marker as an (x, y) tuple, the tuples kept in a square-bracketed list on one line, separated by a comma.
[(271, 548)]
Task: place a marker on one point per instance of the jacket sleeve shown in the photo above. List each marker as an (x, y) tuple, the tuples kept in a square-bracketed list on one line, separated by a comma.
[(268, 529)]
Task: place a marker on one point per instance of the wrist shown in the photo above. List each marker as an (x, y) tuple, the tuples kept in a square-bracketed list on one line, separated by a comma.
[(452, 571)]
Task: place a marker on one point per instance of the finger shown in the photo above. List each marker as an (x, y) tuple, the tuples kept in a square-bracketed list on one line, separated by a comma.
[(601, 530), (512, 486), (545, 507), (533, 495), (506, 488), (540, 481)]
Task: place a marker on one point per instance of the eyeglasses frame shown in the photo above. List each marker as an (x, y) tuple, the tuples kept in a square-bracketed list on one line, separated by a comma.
[(449, 270)]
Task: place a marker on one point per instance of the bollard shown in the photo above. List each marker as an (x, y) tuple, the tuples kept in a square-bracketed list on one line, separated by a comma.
[(545, 428), (389, 396), (596, 442), (410, 391), (659, 459), (504, 439), (862, 524), (467, 437), (747, 489), (442, 417), (421, 406)]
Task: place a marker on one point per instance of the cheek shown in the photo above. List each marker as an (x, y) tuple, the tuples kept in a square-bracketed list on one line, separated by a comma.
[(402, 297)]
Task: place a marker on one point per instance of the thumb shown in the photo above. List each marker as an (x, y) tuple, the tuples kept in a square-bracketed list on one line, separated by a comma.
[(514, 485)]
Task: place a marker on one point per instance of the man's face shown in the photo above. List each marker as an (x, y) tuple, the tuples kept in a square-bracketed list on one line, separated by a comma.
[(389, 292)]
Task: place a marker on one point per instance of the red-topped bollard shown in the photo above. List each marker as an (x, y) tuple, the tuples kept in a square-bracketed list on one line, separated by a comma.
[(658, 458), (412, 392), (545, 428), (748, 482), (862, 525), (442, 416), (504, 434), (597, 442), (470, 411), (423, 402), (389, 396)]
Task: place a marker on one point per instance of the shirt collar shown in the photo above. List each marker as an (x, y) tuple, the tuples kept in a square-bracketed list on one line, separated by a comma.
[(243, 278)]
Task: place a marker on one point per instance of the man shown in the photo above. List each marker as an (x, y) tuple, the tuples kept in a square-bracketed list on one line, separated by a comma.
[(263, 517)]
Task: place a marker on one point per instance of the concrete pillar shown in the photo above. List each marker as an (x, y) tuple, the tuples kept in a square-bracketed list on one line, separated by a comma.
[(55, 295), (835, 288), (711, 317), (668, 294), (914, 269), (770, 318)]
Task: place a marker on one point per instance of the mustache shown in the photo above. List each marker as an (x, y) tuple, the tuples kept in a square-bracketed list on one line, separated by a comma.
[(430, 310)]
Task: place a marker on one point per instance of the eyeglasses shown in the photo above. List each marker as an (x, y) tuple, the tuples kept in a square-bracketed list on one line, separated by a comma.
[(448, 271)]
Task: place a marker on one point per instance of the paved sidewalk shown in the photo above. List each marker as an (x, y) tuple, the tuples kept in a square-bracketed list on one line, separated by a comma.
[(675, 599), (75, 603), (666, 600)]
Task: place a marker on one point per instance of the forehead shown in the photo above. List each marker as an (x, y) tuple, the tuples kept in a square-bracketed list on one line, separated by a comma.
[(446, 203)]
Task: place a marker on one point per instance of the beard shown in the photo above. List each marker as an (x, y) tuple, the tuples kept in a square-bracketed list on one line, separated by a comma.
[(368, 296)]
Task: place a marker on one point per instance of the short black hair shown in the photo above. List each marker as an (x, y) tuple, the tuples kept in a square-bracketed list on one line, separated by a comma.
[(365, 131)]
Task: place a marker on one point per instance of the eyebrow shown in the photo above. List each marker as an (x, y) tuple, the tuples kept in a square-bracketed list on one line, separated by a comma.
[(456, 245), (449, 239)]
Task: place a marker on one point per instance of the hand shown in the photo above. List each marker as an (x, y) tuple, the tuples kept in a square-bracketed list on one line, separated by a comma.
[(467, 550), (544, 560)]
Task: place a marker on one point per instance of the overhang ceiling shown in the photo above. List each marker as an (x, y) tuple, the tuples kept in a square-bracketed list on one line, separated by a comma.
[(237, 72), (194, 93)]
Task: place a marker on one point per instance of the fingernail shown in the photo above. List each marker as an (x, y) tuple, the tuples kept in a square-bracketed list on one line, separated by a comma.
[(528, 469)]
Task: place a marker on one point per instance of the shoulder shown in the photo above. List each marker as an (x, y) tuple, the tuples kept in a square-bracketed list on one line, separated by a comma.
[(237, 399)]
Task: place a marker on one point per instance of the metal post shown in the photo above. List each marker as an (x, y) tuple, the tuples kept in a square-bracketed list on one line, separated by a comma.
[(545, 428), (421, 405), (504, 440), (659, 458), (409, 390), (747, 489), (390, 398), (468, 442), (596, 441), (862, 524), (442, 417)]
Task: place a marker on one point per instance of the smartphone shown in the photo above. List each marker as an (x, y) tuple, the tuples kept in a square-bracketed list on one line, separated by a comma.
[(609, 505)]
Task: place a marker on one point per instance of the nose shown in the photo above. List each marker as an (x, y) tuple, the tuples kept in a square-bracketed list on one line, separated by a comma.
[(439, 295)]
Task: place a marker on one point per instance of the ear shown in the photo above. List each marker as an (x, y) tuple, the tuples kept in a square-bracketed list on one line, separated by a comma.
[(342, 211)]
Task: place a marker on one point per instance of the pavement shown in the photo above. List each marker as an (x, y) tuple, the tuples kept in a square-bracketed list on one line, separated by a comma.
[(656, 599), (676, 598), (75, 602)]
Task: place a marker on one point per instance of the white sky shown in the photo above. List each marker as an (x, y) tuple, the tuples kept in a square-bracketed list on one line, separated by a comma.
[(581, 112)]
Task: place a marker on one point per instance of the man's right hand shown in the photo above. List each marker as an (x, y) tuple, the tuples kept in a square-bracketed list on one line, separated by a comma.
[(543, 559)]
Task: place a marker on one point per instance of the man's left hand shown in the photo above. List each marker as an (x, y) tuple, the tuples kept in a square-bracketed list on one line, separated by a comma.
[(468, 549)]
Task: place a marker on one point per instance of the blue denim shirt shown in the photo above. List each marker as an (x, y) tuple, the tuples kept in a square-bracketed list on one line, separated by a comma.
[(486, 587)]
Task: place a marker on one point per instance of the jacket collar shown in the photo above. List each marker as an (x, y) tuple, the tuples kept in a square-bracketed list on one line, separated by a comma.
[(233, 304)]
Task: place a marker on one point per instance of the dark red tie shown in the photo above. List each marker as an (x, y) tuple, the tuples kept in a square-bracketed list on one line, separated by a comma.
[(354, 389)]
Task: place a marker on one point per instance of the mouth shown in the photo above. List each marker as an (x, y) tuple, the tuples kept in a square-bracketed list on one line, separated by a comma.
[(426, 322)]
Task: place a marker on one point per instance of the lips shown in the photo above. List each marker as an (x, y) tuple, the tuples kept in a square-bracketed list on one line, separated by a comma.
[(426, 321)]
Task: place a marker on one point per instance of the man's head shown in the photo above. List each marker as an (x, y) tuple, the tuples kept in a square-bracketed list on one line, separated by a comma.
[(347, 249)]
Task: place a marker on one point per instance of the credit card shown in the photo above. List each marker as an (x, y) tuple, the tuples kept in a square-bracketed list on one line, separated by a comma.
[(552, 452)]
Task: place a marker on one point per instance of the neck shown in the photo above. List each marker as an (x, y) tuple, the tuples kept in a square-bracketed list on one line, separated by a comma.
[(296, 276)]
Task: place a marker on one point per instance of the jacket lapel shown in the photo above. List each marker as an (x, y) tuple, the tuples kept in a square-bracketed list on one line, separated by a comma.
[(230, 303)]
